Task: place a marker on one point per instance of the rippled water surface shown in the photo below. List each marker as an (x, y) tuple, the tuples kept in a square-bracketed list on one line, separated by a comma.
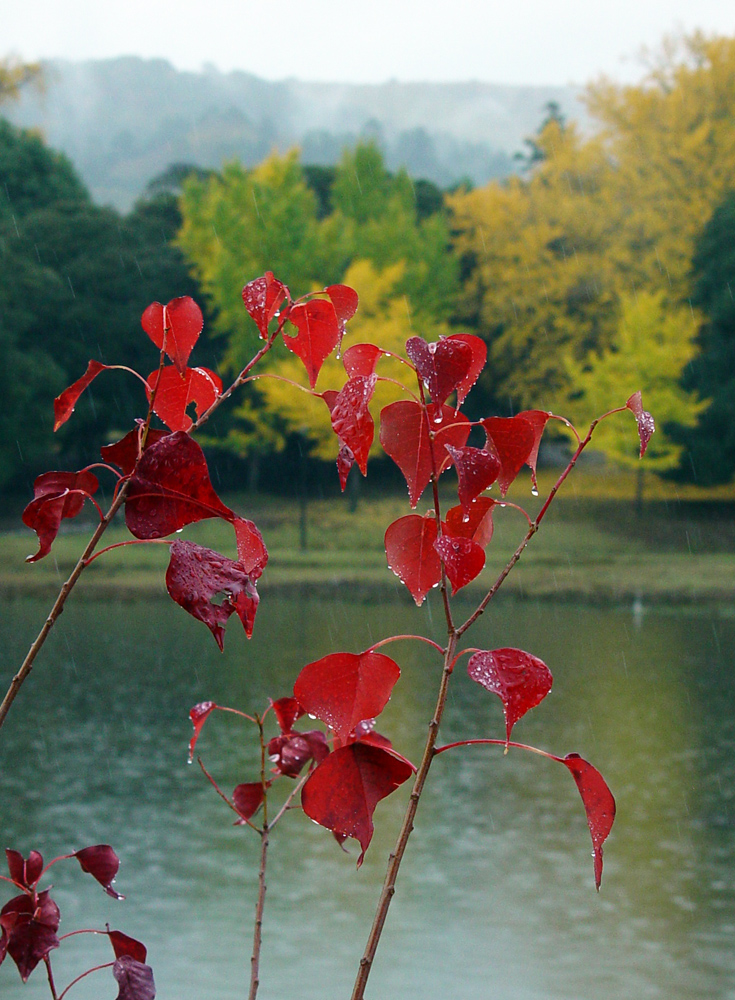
[(496, 898)]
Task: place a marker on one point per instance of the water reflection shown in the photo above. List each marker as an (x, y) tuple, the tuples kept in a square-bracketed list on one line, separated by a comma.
[(496, 898)]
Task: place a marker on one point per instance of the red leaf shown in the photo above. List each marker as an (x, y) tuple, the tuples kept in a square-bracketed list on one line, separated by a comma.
[(199, 715), (520, 680), (180, 321), (286, 711), (344, 790), (171, 488), (177, 391), (65, 403), (345, 302), (196, 575), (318, 334), (643, 418), (101, 863), (537, 420), (512, 438), (134, 979), (463, 560), (57, 495), (361, 359), (342, 689), (124, 945), (404, 434), (443, 366), (477, 524), (263, 298), (409, 546), (476, 470), (479, 356), (290, 752), (248, 798), (599, 805), (124, 453), (24, 872), (30, 928), (351, 418), (251, 550), (345, 461)]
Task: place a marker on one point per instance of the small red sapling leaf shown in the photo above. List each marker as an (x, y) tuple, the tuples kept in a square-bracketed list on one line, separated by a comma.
[(345, 461), (134, 979), (286, 711), (318, 334), (342, 689), (442, 366), (538, 420), (124, 945), (479, 356), (344, 790), (57, 495), (263, 298), (477, 524), (463, 560), (247, 799), (646, 425), (65, 403), (199, 715), (512, 440), (176, 391), (520, 680), (30, 930), (101, 863), (409, 547), (24, 872), (599, 805), (351, 418), (180, 323), (345, 302), (251, 550), (476, 470), (361, 359), (291, 751), (124, 453), (196, 575)]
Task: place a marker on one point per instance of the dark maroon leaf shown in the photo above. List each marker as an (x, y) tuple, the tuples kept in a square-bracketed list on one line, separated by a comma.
[(538, 420), (134, 979), (643, 418), (124, 453), (171, 488), (463, 560), (263, 298), (479, 356), (361, 359), (286, 711), (196, 575), (520, 680), (25, 872), (344, 790), (599, 805), (351, 418), (176, 391), (476, 470), (406, 435), (342, 689), (65, 403), (290, 752), (512, 440), (57, 495), (318, 334), (124, 945), (442, 366), (199, 715), (409, 547), (30, 928), (477, 524), (248, 798), (251, 550), (180, 322), (101, 863)]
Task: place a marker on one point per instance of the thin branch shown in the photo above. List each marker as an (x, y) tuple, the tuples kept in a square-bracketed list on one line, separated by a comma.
[(396, 638), (292, 795), (260, 904), (498, 743), (49, 973), (107, 965), (224, 798), (130, 541)]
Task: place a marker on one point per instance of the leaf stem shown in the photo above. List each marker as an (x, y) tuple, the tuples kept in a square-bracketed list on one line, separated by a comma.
[(49, 973), (396, 638), (260, 904), (498, 743), (96, 968), (130, 541)]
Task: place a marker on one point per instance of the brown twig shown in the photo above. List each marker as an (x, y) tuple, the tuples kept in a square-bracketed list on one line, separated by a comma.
[(260, 904)]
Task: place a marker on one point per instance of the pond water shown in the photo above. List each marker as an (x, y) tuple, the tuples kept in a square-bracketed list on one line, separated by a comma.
[(496, 898)]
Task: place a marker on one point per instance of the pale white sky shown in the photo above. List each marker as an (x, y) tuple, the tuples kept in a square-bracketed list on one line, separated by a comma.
[(497, 41)]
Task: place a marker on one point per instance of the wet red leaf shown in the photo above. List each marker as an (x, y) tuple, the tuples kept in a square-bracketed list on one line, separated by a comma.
[(476, 470), (646, 424), (345, 302), (24, 872), (177, 391), (196, 575), (599, 805), (477, 524), (537, 420), (342, 689), (263, 297), (291, 751), (344, 790), (30, 928), (251, 550), (124, 945), (180, 321), (512, 439), (479, 356), (57, 495), (102, 864), (65, 403), (405, 434), (199, 715), (463, 560), (442, 366), (520, 680), (248, 798), (361, 359), (409, 546), (351, 419), (124, 453), (134, 978), (318, 334), (286, 711)]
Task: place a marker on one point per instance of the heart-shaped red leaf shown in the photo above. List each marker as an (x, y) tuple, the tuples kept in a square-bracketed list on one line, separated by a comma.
[(195, 575), (318, 334), (175, 392), (65, 403), (101, 863), (134, 979), (476, 470), (124, 453), (30, 930), (479, 356), (538, 420), (175, 326), (351, 418), (342, 689), (511, 439), (171, 488), (463, 559), (57, 495), (520, 680), (290, 752), (643, 418), (409, 546), (599, 805), (199, 715), (286, 711), (251, 550), (477, 524), (361, 359), (263, 298), (405, 434), (344, 790), (345, 302), (442, 366), (248, 798), (122, 944), (24, 872)]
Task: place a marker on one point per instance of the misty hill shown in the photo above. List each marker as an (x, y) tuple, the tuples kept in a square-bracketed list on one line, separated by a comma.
[(123, 121)]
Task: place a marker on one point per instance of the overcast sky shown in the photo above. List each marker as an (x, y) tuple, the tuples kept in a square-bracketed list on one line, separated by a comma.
[(497, 41)]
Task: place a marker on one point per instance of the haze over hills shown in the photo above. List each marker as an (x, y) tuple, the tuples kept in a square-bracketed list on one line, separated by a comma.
[(123, 121)]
